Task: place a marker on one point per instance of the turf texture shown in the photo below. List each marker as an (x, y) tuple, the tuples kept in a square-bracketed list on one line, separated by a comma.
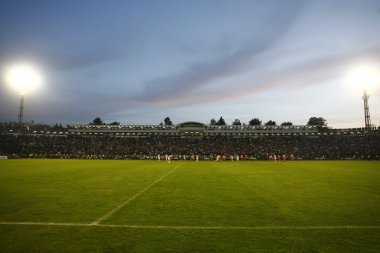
[(184, 206)]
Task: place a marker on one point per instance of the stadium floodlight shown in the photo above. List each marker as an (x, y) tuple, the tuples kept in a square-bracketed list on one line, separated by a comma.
[(366, 78), (23, 78)]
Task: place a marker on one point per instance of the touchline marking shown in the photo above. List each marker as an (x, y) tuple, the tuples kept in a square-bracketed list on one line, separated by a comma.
[(240, 227), (110, 213), (187, 227)]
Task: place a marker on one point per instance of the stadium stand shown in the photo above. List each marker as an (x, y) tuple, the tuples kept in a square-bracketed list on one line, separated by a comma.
[(191, 139)]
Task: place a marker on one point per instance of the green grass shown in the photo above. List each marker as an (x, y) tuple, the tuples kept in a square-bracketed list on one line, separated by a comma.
[(302, 206)]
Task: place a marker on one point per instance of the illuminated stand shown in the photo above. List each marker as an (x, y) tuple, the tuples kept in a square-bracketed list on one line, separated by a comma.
[(367, 118)]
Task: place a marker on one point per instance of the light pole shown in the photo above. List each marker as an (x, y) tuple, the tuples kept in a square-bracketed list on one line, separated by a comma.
[(23, 78), (367, 118), (365, 77), (21, 111)]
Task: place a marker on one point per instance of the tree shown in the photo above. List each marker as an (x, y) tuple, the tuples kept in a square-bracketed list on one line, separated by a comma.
[(236, 122), (270, 123), (221, 122), (115, 123), (58, 127), (212, 122), (287, 124), (254, 122), (168, 122), (317, 121), (97, 121)]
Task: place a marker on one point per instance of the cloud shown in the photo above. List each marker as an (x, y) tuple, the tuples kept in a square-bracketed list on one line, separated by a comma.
[(314, 71), (232, 61)]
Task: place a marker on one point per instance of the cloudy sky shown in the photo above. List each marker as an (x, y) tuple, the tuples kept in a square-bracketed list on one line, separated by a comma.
[(139, 61)]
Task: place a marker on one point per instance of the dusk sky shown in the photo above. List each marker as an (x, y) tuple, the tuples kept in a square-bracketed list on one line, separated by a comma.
[(137, 62)]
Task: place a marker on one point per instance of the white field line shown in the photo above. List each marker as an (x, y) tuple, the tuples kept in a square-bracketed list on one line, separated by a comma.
[(188, 227), (110, 213), (60, 224)]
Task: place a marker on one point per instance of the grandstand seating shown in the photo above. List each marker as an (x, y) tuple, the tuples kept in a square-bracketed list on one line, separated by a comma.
[(191, 138)]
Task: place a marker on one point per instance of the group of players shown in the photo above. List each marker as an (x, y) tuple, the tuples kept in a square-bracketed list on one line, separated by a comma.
[(282, 158), (220, 158), (169, 158)]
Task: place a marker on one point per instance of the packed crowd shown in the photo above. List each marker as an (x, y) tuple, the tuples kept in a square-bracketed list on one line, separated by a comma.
[(207, 147)]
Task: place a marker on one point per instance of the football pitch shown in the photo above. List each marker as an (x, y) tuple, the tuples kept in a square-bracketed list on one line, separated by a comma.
[(184, 206)]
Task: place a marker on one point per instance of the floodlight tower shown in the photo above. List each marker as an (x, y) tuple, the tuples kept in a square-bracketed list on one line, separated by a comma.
[(367, 118), (365, 77), (22, 78), (21, 111)]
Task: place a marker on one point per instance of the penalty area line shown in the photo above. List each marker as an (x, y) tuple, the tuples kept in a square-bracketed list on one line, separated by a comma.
[(58, 224), (117, 208)]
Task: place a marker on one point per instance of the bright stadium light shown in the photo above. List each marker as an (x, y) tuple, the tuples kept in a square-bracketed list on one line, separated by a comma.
[(365, 78), (23, 78)]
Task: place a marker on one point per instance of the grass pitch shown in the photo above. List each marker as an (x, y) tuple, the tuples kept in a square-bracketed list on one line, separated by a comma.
[(151, 206)]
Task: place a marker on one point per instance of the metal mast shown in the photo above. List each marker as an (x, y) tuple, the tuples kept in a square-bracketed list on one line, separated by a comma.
[(21, 111), (367, 118)]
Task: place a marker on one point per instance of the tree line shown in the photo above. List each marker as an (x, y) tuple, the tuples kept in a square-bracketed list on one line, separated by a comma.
[(313, 121)]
